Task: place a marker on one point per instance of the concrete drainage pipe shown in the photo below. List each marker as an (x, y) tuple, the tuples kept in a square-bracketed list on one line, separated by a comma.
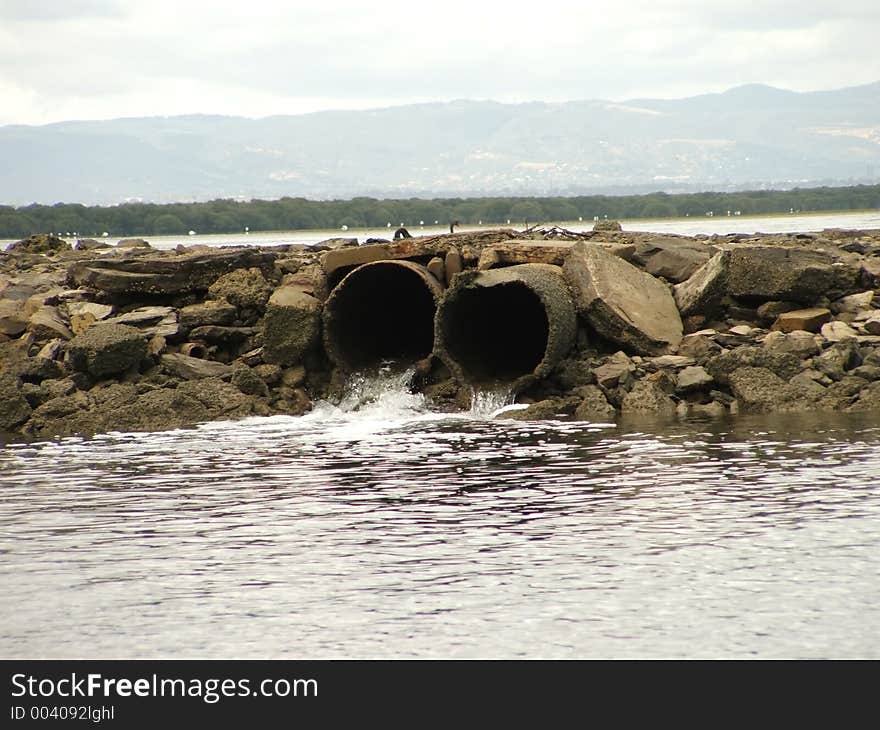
[(508, 326), (381, 311)]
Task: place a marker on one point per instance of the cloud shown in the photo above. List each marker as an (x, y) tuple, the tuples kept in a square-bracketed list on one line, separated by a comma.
[(123, 58)]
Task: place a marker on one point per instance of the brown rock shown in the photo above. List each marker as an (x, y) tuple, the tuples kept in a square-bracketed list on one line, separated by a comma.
[(809, 320)]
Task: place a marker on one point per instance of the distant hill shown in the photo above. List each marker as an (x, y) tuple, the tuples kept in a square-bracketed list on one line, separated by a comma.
[(748, 136)]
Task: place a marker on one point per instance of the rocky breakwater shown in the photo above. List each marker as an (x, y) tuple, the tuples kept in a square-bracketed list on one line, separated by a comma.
[(597, 324)]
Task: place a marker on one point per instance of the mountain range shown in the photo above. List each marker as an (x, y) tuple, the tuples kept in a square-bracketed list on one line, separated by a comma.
[(750, 136)]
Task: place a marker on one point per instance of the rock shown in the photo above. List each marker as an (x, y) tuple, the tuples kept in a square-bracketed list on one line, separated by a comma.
[(809, 320), (616, 370), (243, 288), (133, 243), (674, 259), (799, 343), (868, 372), (452, 264), (782, 364), (509, 253), (607, 225), (291, 327), (623, 304), (573, 374), (698, 346), (647, 397), (705, 288), (13, 320), (248, 382), (769, 311), (545, 410), (671, 361), (758, 390), (89, 244), (594, 406), (79, 323), (223, 335), (96, 311), (193, 368), (742, 330), (841, 395), (693, 378), (47, 243), (792, 273), (151, 321), (853, 303), (107, 349), (159, 274), (334, 244), (206, 313), (837, 331), (868, 399), (837, 359), (15, 409), (872, 325), (46, 324), (271, 374), (437, 269)]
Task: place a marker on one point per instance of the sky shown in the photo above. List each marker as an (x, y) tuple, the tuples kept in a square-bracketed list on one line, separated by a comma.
[(105, 59)]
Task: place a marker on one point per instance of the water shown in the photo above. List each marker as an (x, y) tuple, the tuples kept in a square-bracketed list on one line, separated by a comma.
[(864, 220), (376, 528)]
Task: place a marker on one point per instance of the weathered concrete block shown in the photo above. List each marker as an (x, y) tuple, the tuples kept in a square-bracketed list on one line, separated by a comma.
[(291, 327), (705, 288), (107, 349), (808, 320), (622, 303)]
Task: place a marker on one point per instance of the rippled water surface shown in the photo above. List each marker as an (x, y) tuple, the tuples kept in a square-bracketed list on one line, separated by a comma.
[(377, 529)]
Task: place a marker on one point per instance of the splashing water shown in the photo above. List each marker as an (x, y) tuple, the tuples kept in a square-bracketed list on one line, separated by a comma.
[(493, 402)]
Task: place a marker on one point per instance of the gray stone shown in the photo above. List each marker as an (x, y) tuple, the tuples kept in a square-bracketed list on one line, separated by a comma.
[(837, 359), (13, 320), (783, 364), (223, 335), (853, 303), (546, 410), (837, 331), (160, 274), (15, 409), (193, 368), (206, 313), (622, 303), (799, 343), (693, 378), (151, 321), (248, 382), (703, 291), (758, 390), (46, 324), (788, 273), (107, 349), (616, 370), (698, 346), (243, 288), (647, 397), (291, 327), (97, 311), (594, 406)]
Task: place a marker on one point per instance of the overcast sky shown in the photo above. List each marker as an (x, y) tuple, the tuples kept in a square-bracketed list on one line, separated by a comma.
[(101, 59)]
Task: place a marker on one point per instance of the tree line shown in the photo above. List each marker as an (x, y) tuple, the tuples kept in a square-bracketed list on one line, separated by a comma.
[(236, 216)]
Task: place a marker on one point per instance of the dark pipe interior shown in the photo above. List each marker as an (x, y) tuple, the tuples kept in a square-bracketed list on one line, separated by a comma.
[(496, 333), (382, 312)]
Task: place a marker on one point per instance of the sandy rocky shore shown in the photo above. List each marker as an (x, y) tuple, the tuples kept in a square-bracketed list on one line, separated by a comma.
[(126, 337)]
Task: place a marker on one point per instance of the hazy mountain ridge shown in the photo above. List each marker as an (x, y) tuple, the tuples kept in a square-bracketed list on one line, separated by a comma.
[(748, 135)]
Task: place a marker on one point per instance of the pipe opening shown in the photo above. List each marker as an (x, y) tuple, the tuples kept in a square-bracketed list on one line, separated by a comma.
[(496, 333), (381, 311)]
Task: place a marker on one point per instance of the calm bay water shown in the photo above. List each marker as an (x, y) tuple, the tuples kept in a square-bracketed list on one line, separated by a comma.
[(379, 529)]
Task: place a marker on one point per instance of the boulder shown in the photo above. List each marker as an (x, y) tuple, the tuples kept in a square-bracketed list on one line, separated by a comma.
[(107, 349), (758, 390), (243, 288), (809, 320), (133, 243), (853, 303), (46, 324), (159, 274), (837, 331), (647, 397), (593, 406), (607, 225), (799, 343), (693, 378), (47, 243), (248, 382), (15, 409), (795, 273), (675, 259), (703, 291), (151, 321), (291, 327), (209, 312), (782, 364), (622, 303), (193, 368), (546, 410), (13, 320), (616, 370)]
